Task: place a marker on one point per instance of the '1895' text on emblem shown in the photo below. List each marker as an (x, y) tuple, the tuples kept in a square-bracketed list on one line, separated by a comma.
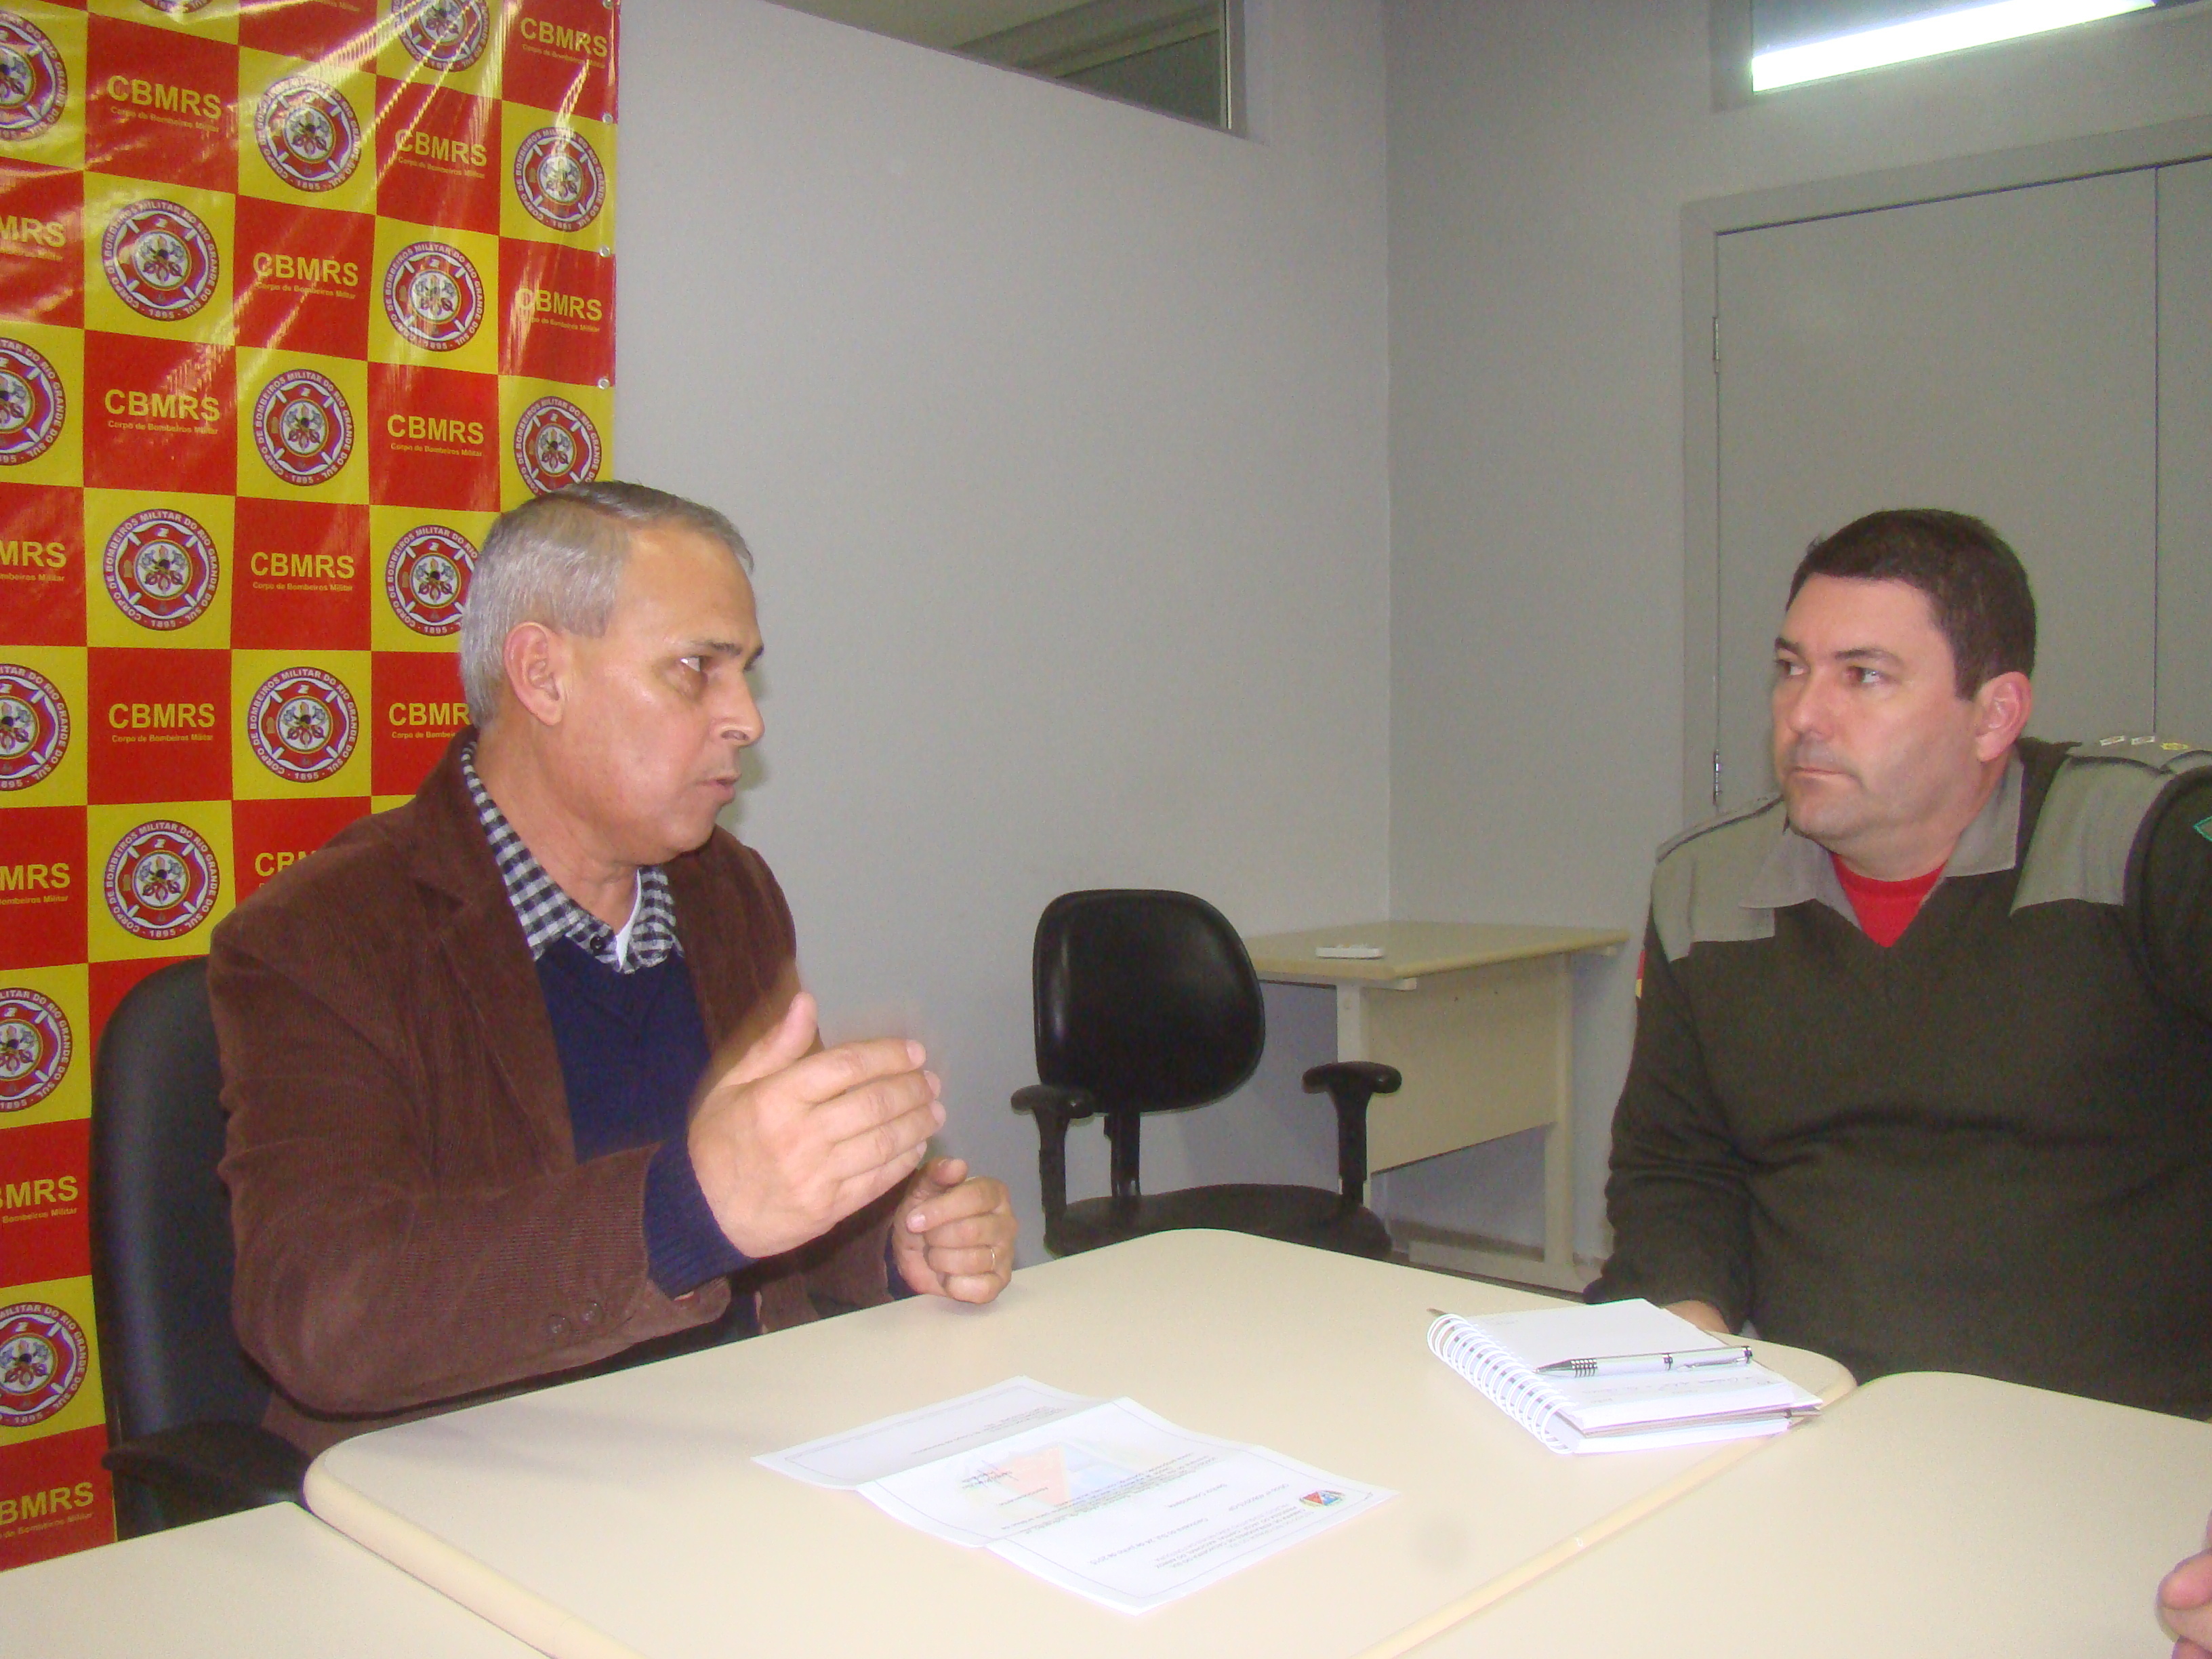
[(160, 260), (558, 179), (433, 295), (161, 880), (307, 133), (426, 578), (43, 1362), (555, 444), (35, 1046), (302, 429), (162, 569), (303, 725)]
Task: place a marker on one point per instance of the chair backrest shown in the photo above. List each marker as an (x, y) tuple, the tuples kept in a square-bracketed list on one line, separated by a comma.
[(160, 1218), (1146, 999)]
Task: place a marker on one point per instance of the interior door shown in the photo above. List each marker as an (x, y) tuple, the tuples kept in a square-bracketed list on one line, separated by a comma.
[(2184, 451), (1994, 354)]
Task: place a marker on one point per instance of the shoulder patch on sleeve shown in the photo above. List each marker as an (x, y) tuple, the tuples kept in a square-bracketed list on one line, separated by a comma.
[(2091, 816), (1697, 892), (2158, 754)]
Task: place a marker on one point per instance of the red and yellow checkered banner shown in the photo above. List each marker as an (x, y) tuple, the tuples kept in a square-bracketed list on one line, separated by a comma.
[(294, 296)]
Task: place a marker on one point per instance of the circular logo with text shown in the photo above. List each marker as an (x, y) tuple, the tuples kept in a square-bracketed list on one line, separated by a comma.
[(307, 132), (32, 404), (555, 444), (34, 727), (160, 260), (303, 725), (34, 1046), (34, 80), (43, 1362), (426, 578), (161, 879), (558, 179), (445, 34), (162, 569), (433, 295), (303, 427)]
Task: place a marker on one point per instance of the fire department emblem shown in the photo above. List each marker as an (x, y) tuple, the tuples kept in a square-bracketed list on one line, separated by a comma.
[(433, 296), (161, 879), (555, 444), (558, 179), (302, 426), (43, 1361), (160, 260), (34, 727), (34, 80), (307, 132), (162, 569), (426, 578), (34, 1048), (303, 725), (32, 404), (445, 34)]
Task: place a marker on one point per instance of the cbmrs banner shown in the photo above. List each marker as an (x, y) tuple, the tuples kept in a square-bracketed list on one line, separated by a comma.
[(294, 296)]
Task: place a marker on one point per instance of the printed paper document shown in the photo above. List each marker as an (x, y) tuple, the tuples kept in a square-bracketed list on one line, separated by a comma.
[(1100, 1497)]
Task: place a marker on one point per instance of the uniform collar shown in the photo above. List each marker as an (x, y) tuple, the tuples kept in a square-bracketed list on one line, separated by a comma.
[(1799, 869)]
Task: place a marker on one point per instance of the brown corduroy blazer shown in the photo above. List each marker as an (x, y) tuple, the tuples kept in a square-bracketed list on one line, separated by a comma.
[(413, 1227)]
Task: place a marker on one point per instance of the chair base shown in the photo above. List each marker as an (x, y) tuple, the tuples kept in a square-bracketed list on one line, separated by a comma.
[(1297, 1215)]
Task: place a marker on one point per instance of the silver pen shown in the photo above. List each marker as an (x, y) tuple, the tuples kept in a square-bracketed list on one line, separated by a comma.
[(1642, 1364)]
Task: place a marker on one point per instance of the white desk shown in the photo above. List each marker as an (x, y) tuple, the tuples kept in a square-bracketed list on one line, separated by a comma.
[(1480, 1019), (623, 1515), (271, 1582), (1926, 1514)]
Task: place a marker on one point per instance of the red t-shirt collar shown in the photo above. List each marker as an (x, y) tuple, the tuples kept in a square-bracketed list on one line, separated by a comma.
[(1885, 909)]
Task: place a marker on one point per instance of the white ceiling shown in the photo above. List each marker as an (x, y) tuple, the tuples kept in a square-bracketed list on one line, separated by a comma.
[(932, 22)]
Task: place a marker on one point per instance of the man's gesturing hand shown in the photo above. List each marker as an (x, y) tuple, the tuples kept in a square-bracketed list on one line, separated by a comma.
[(788, 1143), (953, 1236), (2184, 1601)]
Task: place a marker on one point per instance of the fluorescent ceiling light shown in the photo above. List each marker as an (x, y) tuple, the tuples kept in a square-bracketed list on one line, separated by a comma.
[(1925, 36)]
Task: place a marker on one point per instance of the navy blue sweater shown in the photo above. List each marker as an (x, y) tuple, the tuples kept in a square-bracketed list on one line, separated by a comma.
[(632, 1049)]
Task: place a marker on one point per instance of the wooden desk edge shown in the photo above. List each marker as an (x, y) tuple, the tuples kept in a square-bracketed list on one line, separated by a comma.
[(1475, 1601), (1398, 972)]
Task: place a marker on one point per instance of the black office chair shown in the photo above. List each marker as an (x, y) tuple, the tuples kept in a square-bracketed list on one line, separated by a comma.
[(1146, 1002), (184, 1402)]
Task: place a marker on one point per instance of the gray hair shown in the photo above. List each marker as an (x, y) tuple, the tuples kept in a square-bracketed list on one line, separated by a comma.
[(558, 560)]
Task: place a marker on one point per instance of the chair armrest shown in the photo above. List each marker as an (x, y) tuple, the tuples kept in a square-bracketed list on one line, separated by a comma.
[(1054, 1109), (214, 1467), (1045, 1099), (1350, 1085)]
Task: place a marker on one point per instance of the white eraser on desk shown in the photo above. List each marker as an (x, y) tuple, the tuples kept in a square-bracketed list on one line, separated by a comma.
[(1349, 952)]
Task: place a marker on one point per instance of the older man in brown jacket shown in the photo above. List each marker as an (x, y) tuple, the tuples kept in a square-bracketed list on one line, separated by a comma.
[(477, 1138)]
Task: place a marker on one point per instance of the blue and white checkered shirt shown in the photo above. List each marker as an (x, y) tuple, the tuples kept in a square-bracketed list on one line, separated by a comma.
[(547, 913)]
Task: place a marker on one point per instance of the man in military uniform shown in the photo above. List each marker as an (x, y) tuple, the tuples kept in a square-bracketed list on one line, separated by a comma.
[(1923, 1075)]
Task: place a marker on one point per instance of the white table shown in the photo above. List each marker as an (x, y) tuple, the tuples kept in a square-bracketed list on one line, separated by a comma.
[(271, 1582), (1479, 1019), (1926, 1514), (623, 1515)]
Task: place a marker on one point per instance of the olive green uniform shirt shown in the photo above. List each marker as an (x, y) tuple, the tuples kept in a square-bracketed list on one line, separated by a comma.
[(1986, 1148)]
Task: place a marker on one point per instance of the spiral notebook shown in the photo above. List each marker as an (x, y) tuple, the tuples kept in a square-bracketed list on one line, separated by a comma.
[(1502, 1354)]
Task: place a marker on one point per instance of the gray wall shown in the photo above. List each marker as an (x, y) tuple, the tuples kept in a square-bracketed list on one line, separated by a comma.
[(1060, 431), (1541, 153)]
